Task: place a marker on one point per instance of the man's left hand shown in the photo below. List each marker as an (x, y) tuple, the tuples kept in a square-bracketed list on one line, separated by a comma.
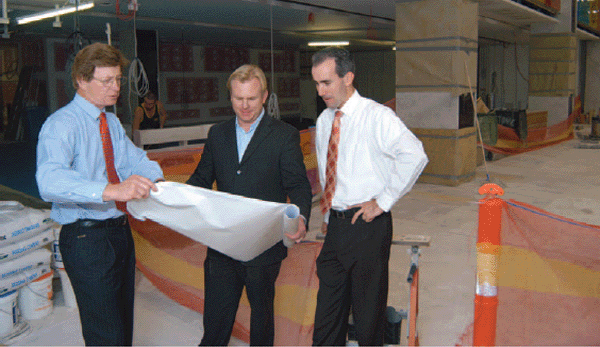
[(369, 210), (300, 234)]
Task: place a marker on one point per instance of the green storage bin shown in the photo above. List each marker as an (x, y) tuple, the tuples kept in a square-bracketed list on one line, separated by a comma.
[(488, 122)]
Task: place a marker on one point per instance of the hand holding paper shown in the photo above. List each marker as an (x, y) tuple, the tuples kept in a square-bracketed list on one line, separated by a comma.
[(239, 227)]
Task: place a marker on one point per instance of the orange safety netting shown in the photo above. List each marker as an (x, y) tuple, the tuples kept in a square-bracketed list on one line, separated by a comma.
[(174, 263), (548, 279), (510, 143)]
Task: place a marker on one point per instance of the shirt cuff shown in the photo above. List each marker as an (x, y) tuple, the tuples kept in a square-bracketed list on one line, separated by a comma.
[(304, 219), (385, 202), (96, 190)]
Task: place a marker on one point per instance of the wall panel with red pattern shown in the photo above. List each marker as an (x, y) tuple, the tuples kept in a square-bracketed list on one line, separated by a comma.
[(284, 61), (192, 90), (176, 57), (225, 59), (288, 87)]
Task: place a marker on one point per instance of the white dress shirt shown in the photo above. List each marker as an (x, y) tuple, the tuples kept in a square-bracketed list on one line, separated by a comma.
[(378, 157)]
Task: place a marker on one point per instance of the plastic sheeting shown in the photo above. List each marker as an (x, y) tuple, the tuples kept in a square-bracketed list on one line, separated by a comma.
[(239, 227), (434, 39)]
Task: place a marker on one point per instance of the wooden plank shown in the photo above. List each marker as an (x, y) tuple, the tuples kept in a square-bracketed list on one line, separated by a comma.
[(401, 240), (412, 240), (183, 135)]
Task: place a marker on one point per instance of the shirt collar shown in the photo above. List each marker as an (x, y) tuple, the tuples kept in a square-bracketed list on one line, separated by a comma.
[(253, 126), (88, 108), (351, 103)]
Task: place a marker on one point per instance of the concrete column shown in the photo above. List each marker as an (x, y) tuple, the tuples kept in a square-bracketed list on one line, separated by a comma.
[(592, 81), (552, 74), (436, 63), (553, 65)]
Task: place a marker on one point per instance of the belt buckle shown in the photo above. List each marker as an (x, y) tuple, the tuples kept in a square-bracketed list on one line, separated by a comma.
[(87, 223), (339, 214), (119, 221)]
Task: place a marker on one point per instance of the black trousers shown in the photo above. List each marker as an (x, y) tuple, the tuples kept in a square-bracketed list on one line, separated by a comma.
[(224, 280), (100, 262), (353, 272)]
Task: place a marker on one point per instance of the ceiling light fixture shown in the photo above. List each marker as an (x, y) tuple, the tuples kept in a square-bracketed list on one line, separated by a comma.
[(53, 13), (329, 43)]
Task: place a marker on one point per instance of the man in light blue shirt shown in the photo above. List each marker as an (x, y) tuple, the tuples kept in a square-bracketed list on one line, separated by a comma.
[(95, 240), (243, 137)]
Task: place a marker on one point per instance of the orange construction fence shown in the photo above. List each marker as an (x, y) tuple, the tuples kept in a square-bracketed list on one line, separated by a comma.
[(538, 277)]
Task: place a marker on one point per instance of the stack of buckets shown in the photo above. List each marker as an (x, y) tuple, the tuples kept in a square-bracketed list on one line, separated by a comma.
[(35, 298), (67, 289), (25, 272)]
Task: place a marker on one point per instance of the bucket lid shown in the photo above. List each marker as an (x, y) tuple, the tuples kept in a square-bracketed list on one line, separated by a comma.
[(43, 277)]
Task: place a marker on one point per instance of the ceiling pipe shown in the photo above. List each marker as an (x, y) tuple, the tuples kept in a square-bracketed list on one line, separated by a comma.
[(299, 5)]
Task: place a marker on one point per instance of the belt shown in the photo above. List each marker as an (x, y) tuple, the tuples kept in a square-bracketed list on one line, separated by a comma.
[(349, 213), (106, 223)]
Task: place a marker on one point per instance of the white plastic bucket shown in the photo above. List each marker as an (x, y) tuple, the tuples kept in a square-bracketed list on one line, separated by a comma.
[(67, 289), (35, 299), (8, 312)]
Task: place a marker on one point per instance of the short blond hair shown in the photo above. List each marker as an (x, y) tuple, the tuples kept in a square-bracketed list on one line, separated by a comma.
[(247, 72), (95, 55)]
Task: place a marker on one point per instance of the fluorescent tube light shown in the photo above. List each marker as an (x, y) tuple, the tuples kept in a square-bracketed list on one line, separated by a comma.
[(329, 43), (54, 13)]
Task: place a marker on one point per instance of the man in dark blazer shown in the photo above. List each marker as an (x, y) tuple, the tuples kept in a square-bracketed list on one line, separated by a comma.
[(255, 156)]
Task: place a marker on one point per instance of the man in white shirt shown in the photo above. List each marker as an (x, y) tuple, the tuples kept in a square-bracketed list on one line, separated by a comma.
[(378, 160)]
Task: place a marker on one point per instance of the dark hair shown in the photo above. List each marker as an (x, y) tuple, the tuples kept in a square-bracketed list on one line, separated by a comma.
[(92, 56), (150, 95), (343, 61)]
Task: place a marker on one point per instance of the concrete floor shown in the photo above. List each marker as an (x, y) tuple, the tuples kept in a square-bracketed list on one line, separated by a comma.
[(562, 179)]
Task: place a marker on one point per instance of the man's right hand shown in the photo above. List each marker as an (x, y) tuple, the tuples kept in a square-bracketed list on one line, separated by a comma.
[(134, 187)]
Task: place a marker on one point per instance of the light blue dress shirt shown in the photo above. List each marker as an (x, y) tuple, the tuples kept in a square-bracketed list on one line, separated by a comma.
[(243, 138), (71, 172)]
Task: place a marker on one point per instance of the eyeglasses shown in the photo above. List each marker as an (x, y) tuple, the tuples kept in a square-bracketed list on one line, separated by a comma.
[(107, 82)]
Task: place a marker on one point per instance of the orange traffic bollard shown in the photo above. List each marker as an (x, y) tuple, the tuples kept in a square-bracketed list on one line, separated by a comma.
[(488, 248)]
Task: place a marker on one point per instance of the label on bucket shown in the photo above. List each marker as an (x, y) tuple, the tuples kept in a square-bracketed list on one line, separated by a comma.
[(8, 312), (14, 313), (56, 250)]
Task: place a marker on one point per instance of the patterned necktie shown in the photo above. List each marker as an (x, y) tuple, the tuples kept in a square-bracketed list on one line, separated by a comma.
[(330, 171), (109, 157)]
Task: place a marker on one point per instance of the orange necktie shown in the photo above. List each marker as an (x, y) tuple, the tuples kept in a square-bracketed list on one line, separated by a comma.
[(330, 171), (109, 157)]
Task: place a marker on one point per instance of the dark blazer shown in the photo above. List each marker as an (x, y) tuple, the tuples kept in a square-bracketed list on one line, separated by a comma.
[(272, 169)]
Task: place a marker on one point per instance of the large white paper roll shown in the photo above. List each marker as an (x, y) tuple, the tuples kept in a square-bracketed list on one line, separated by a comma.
[(239, 227)]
